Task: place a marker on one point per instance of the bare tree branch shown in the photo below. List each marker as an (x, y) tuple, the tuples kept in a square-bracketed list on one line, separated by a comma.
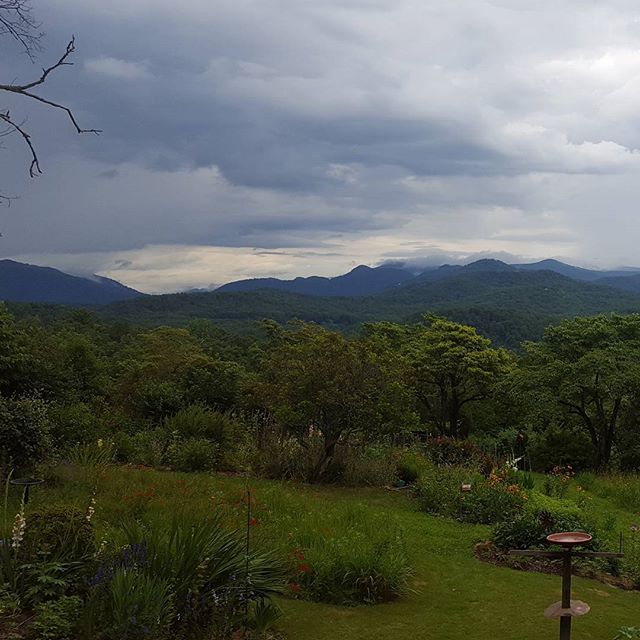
[(17, 21), (34, 169), (24, 90)]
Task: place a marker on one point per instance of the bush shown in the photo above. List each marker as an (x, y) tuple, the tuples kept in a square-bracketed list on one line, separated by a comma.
[(181, 579), (490, 500), (229, 434), (24, 432), (409, 465), (135, 606), (73, 424), (194, 454), (439, 490), (557, 447), (543, 515), (343, 555), (57, 620), (372, 468), (57, 532), (451, 452), (355, 571)]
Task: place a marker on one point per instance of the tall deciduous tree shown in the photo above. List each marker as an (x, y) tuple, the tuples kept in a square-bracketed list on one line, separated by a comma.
[(317, 380), (588, 369), (452, 367)]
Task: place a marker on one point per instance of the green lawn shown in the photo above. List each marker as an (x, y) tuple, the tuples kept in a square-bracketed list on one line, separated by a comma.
[(454, 596), (457, 597)]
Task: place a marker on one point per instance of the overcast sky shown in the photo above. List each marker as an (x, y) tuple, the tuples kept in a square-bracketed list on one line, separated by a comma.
[(291, 137)]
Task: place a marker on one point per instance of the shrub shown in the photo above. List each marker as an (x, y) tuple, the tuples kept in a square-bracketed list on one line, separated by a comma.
[(72, 424), (557, 447), (203, 564), (135, 606), (451, 452), (520, 532), (524, 480), (490, 500), (229, 434), (9, 603), (58, 533), (439, 490), (542, 515), (24, 432), (91, 454), (343, 555), (556, 482), (58, 619), (194, 454), (371, 467), (409, 465), (155, 401)]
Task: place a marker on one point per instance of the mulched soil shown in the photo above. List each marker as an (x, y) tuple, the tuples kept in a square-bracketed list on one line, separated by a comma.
[(488, 552)]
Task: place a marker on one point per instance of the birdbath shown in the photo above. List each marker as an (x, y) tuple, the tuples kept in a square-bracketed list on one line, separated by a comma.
[(566, 609), (26, 483)]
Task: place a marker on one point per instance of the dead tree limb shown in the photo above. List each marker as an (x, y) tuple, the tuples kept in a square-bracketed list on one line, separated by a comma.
[(26, 91)]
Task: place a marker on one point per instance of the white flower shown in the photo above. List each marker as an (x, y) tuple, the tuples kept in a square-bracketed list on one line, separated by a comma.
[(17, 533)]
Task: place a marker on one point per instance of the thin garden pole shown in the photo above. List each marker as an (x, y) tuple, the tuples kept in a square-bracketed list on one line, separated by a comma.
[(246, 560), (565, 621)]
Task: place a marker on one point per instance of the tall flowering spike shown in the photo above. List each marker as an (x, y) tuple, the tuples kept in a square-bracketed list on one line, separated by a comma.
[(19, 526), (91, 509)]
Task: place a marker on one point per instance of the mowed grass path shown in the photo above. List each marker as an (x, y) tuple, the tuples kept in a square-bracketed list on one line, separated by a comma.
[(454, 596)]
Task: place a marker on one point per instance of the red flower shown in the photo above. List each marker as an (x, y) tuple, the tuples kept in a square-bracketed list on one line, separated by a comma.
[(294, 587), (253, 522), (303, 568)]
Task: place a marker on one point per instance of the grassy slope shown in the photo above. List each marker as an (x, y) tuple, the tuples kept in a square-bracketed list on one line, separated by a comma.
[(457, 597), (454, 596)]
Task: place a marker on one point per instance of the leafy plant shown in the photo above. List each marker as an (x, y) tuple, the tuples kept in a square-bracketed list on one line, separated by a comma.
[(57, 620), (194, 454), (57, 533), (92, 454), (47, 580), (136, 605), (627, 632), (265, 616)]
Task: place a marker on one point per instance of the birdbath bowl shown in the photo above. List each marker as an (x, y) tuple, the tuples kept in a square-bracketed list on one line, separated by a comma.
[(569, 539), (27, 482)]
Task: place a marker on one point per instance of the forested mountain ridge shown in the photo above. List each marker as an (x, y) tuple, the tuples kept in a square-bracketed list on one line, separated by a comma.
[(363, 280), (21, 282), (508, 305)]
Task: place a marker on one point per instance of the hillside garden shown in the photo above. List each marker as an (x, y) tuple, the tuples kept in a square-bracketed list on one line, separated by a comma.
[(308, 485)]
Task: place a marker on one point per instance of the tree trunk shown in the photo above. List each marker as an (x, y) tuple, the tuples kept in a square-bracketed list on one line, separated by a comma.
[(325, 460)]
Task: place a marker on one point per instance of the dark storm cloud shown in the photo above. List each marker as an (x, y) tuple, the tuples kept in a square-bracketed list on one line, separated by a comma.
[(315, 130)]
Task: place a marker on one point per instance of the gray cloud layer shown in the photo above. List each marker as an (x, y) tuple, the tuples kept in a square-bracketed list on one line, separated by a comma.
[(327, 133)]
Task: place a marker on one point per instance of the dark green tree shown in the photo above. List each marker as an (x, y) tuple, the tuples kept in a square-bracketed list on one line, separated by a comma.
[(317, 381), (586, 369)]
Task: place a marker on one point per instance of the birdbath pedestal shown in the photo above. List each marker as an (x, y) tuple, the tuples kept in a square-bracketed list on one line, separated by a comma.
[(566, 609), (26, 483)]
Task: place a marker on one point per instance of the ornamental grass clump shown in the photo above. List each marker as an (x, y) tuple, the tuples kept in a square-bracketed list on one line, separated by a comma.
[(347, 555), (186, 579)]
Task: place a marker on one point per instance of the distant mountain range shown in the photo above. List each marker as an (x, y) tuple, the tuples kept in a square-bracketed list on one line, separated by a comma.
[(508, 303), (29, 283), (366, 281)]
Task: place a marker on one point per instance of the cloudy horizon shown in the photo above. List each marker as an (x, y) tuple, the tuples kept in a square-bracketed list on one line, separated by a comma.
[(290, 137)]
